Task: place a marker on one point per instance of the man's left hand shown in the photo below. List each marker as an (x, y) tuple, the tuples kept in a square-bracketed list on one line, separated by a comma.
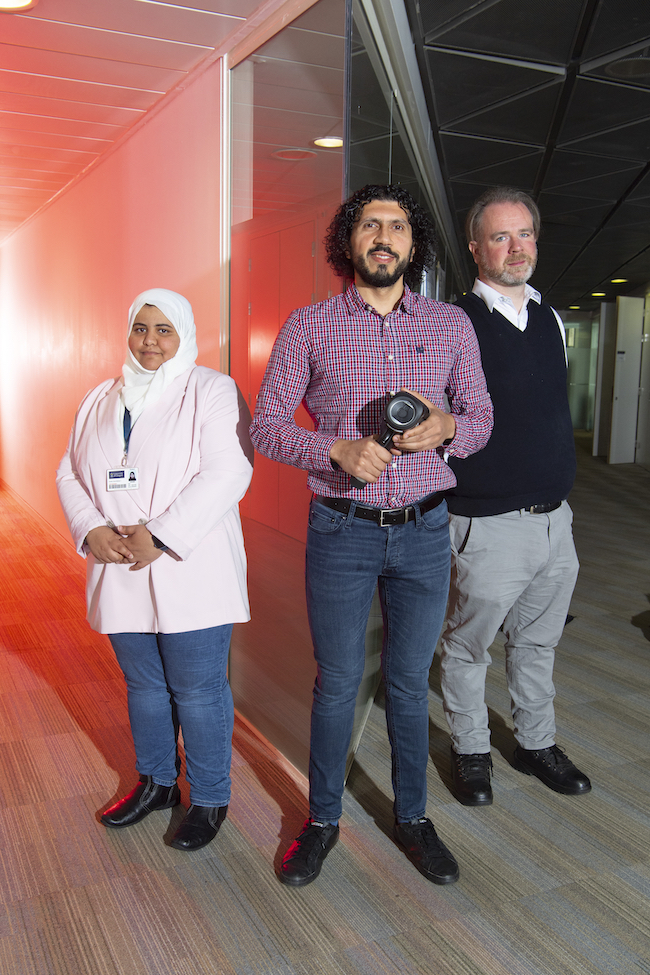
[(431, 433), (139, 541)]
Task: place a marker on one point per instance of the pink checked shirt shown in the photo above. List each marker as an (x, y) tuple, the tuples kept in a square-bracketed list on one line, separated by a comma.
[(343, 359)]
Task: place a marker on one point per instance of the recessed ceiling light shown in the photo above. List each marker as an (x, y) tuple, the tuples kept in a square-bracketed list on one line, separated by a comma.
[(13, 6), (293, 154), (633, 66), (619, 280), (597, 294), (329, 143), (574, 307)]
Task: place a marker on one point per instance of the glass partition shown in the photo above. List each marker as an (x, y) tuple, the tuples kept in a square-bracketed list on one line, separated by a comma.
[(379, 150), (286, 97)]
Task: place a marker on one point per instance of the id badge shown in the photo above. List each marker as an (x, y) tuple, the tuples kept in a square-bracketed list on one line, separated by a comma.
[(122, 479)]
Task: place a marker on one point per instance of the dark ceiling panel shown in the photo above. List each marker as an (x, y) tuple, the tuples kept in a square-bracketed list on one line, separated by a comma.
[(642, 191), (629, 142), (603, 72), (631, 218), (522, 170), (572, 210), (465, 154), (571, 238), (525, 118), (617, 23), (463, 195), (609, 187), (636, 268), (577, 170), (462, 85), (580, 136), (512, 28), (436, 15), (598, 106)]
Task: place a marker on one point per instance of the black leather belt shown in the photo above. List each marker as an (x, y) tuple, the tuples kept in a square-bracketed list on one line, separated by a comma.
[(542, 509), (384, 517)]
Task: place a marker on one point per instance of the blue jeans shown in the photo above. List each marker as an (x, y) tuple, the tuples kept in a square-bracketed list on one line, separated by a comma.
[(346, 559), (181, 679)]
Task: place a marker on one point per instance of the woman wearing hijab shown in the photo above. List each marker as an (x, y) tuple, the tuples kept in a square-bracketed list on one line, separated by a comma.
[(157, 462)]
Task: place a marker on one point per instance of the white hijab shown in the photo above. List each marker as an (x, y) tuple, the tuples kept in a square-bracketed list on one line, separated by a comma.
[(144, 387)]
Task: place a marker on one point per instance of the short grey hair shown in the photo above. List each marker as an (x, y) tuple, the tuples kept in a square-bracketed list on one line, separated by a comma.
[(499, 194)]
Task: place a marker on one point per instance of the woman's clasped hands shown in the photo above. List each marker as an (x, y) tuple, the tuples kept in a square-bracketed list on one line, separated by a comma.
[(125, 545)]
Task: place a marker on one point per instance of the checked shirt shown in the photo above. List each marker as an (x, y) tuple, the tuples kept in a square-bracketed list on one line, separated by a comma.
[(343, 360)]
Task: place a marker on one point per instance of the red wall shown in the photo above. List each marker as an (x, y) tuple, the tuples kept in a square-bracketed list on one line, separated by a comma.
[(147, 216), (278, 264)]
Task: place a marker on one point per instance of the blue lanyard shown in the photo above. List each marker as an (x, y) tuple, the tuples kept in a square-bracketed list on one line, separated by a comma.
[(127, 429)]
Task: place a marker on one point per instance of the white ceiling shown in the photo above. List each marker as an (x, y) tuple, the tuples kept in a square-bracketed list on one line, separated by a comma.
[(76, 74)]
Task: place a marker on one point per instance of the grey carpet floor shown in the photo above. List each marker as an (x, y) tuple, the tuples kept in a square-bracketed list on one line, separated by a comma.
[(550, 885)]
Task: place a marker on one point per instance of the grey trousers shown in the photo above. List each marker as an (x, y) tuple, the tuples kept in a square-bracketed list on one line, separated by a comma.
[(520, 568)]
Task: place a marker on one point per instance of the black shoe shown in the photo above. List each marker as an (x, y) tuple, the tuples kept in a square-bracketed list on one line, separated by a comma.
[(302, 862), (144, 799), (470, 777), (200, 826), (553, 768), (426, 851)]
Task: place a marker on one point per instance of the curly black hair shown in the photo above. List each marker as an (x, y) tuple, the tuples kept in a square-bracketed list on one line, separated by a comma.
[(339, 231)]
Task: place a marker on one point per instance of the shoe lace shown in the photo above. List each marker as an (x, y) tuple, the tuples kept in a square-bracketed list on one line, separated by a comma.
[(557, 757), (423, 832), (469, 765), (310, 837)]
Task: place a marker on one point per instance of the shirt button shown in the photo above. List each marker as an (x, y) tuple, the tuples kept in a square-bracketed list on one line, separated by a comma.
[(390, 358), (393, 500)]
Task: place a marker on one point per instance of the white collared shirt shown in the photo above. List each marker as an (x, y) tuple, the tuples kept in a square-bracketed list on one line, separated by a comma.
[(504, 305)]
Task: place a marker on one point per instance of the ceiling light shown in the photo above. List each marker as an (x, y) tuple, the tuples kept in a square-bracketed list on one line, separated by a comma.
[(574, 307), (329, 143), (597, 294), (293, 154), (619, 280), (633, 66), (13, 6)]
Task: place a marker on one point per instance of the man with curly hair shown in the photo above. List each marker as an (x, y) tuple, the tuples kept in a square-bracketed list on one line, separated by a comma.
[(345, 357)]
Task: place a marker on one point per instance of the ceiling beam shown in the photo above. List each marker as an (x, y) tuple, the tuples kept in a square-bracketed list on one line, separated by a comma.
[(583, 30)]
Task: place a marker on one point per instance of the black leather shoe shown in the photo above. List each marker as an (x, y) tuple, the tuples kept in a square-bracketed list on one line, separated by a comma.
[(303, 860), (144, 799), (426, 851), (553, 768), (470, 777), (200, 826)]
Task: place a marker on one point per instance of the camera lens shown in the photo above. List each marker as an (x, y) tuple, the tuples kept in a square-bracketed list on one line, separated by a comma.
[(401, 413)]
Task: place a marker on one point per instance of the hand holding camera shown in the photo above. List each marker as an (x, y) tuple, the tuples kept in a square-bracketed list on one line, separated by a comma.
[(402, 412)]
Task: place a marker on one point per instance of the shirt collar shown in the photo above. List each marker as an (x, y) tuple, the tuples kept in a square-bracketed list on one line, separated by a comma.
[(356, 303), (493, 298)]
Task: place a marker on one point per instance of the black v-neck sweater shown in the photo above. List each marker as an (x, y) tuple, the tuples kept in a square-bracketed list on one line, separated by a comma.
[(530, 457)]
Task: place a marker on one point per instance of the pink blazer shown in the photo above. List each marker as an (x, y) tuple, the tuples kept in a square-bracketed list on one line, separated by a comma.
[(194, 461)]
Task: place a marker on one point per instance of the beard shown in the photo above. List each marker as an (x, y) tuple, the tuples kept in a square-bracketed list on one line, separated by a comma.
[(380, 277), (505, 274)]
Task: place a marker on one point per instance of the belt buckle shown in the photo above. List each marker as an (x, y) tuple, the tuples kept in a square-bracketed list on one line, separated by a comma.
[(382, 512)]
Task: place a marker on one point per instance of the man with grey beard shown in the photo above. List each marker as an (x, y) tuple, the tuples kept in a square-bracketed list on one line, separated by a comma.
[(513, 557)]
